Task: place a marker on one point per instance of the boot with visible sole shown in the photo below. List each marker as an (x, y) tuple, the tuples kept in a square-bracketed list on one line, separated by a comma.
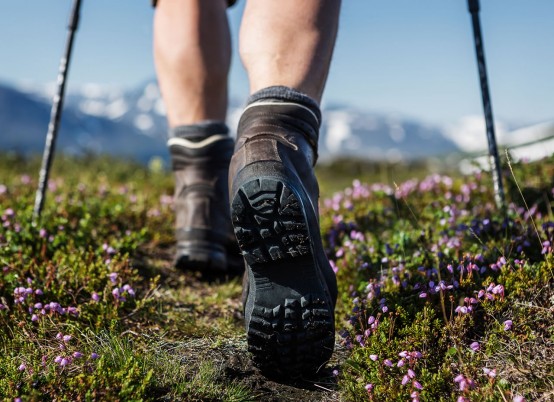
[(291, 290), (203, 227)]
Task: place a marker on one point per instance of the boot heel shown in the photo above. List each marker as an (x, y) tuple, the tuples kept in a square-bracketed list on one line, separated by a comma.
[(269, 223)]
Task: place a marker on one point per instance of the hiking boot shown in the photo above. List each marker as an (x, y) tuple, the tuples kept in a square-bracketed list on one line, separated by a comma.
[(291, 289), (203, 227)]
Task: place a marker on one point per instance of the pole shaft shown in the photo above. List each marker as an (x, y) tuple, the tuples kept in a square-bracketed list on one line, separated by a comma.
[(55, 113), (487, 106)]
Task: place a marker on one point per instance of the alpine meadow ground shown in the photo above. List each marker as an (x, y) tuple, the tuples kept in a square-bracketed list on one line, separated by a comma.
[(441, 297)]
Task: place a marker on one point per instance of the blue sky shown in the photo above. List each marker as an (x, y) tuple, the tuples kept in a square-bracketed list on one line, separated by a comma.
[(414, 57)]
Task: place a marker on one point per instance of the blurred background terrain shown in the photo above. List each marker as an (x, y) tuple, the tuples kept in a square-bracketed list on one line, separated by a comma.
[(403, 86)]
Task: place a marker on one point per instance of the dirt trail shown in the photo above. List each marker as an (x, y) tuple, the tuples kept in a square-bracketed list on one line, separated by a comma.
[(211, 301)]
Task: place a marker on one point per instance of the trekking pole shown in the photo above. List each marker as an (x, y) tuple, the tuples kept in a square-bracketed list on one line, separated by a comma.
[(55, 114), (494, 160)]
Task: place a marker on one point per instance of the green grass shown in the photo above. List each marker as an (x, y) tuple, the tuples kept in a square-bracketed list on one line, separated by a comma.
[(137, 329)]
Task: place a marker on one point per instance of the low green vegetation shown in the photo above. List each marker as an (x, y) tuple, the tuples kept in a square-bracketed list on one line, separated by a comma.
[(441, 297)]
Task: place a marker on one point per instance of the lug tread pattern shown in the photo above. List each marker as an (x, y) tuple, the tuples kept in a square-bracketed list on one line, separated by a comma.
[(294, 337), (269, 223)]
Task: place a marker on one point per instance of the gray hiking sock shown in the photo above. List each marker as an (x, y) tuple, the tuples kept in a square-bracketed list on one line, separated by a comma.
[(199, 131), (282, 93)]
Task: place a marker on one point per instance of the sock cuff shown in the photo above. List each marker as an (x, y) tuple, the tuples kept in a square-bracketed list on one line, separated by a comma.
[(286, 94), (199, 130)]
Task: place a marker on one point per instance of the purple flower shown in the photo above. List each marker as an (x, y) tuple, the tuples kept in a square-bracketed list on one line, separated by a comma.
[(94, 356), (405, 380), (34, 318), (334, 266), (368, 387), (400, 363), (461, 310), (489, 372), (73, 311), (58, 359), (423, 295), (130, 291), (498, 290), (508, 325), (113, 277), (417, 385), (53, 306), (66, 338), (411, 373), (22, 367), (388, 363), (373, 357), (95, 296), (475, 346), (64, 362), (77, 355), (518, 398), (463, 385)]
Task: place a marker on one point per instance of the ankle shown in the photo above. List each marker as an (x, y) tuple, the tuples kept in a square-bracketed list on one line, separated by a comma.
[(284, 113)]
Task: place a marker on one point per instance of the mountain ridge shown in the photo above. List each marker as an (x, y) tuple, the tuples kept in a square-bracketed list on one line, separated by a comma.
[(132, 123)]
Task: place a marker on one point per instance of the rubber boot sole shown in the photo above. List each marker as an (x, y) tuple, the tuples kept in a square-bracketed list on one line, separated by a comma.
[(201, 258), (288, 311)]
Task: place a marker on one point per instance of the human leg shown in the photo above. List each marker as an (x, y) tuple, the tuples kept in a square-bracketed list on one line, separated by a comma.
[(289, 304), (289, 43), (192, 52), (192, 55)]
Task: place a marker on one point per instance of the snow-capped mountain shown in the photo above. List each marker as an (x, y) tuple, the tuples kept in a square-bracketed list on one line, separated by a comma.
[(132, 123), (351, 132), (24, 118), (345, 131)]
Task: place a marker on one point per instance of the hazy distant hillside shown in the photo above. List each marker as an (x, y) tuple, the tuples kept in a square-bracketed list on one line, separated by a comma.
[(132, 123), (24, 121)]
